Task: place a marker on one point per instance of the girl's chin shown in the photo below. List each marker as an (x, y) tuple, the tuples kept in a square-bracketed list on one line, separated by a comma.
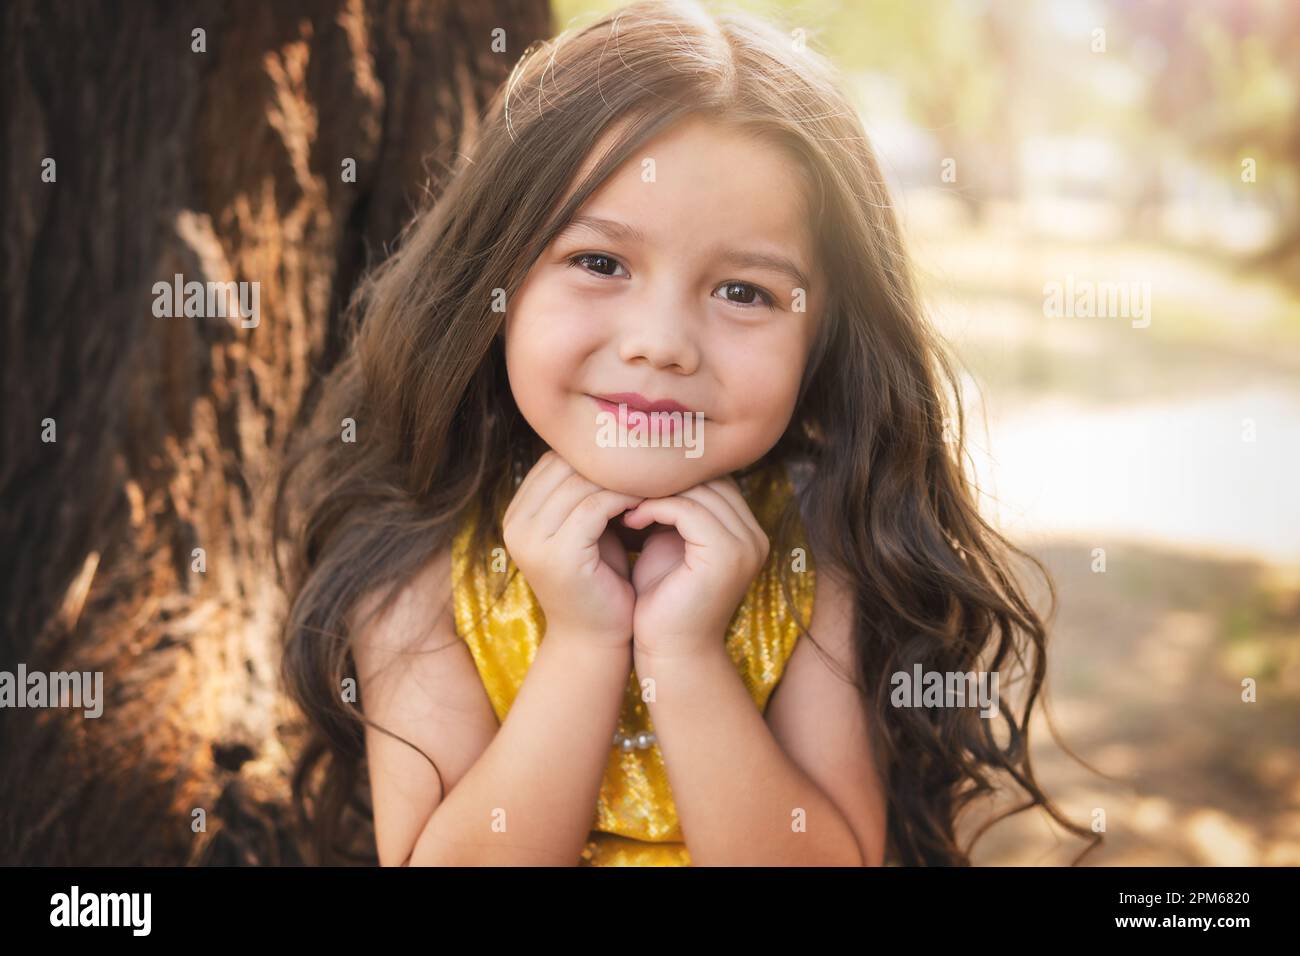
[(644, 477), (645, 486)]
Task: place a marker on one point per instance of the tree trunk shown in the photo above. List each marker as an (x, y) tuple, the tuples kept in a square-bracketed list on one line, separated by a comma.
[(221, 165)]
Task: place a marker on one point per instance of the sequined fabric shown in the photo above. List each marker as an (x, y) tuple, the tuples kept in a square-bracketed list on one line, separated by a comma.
[(635, 820)]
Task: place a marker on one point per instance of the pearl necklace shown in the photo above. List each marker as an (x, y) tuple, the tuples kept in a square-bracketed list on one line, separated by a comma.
[(641, 741)]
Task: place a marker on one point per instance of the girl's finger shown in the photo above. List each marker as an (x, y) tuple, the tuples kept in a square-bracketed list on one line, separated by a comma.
[(695, 523), (556, 472), (728, 488), (722, 509), (589, 517), (523, 496), (554, 511)]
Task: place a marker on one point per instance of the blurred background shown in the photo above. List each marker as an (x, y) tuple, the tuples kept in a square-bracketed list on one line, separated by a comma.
[(1103, 203)]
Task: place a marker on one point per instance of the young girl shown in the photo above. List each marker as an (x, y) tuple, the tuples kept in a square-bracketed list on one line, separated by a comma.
[(546, 637)]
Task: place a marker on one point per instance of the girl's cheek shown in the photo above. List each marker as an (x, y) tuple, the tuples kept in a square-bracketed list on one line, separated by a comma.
[(540, 315), (767, 410), (550, 347), (575, 323), (759, 354)]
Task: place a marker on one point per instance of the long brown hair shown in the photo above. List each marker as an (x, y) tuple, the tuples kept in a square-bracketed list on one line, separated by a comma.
[(888, 506)]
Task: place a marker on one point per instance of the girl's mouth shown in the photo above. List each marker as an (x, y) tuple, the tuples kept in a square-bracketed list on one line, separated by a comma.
[(638, 402), (630, 416)]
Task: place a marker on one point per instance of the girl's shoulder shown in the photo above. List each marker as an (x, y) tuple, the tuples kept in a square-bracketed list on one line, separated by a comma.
[(424, 598)]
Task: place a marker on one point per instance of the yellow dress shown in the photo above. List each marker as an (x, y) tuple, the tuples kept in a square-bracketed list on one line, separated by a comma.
[(635, 820)]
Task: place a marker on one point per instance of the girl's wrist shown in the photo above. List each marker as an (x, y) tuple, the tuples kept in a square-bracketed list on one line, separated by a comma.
[(588, 640), (685, 649)]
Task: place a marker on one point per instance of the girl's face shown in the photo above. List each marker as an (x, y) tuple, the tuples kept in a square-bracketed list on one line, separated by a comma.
[(687, 277)]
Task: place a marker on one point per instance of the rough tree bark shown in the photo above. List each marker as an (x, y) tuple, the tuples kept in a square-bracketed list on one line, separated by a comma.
[(222, 165)]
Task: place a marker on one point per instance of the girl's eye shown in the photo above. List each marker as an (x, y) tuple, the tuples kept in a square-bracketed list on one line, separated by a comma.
[(750, 292), (607, 266), (599, 260)]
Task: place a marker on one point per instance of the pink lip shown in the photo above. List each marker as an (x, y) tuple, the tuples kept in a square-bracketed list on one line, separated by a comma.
[(633, 402), (639, 403)]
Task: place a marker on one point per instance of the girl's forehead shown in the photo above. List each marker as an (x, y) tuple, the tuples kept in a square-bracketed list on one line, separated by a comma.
[(703, 183)]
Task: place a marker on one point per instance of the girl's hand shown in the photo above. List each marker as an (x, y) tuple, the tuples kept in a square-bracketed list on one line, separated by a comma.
[(689, 582), (555, 532)]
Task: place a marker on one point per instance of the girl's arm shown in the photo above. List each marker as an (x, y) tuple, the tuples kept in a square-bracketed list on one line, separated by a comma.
[(796, 789), (522, 793), (819, 719)]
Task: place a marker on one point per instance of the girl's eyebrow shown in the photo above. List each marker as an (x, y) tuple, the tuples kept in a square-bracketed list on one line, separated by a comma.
[(606, 227), (773, 262), (621, 231)]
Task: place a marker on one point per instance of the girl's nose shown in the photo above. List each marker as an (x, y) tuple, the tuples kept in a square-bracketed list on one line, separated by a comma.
[(662, 335)]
